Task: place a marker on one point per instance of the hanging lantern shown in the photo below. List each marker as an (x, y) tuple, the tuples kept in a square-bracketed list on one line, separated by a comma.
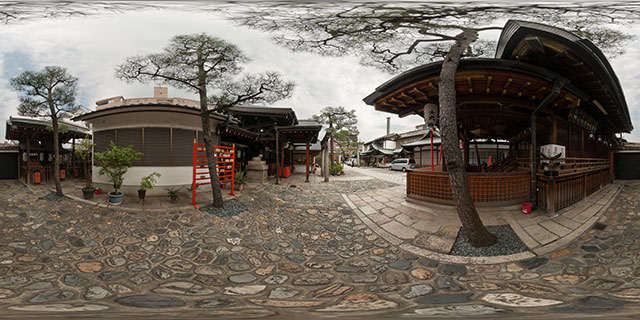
[(41, 156), (50, 157), (430, 114), (24, 157)]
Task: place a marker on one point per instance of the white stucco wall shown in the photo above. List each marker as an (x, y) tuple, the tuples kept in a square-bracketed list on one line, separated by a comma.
[(389, 144), (171, 176)]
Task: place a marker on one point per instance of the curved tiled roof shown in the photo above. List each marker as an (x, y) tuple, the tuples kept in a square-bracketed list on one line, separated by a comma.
[(571, 56)]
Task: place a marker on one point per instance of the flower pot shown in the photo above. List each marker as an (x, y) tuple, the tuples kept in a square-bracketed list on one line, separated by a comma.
[(239, 187), (115, 198), (141, 194), (88, 193)]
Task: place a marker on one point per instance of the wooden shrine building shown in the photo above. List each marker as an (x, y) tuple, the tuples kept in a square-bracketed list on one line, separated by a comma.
[(36, 147), (278, 128), (545, 88)]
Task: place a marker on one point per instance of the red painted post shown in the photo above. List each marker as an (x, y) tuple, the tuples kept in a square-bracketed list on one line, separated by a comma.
[(233, 168), (193, 183), (432, 166)]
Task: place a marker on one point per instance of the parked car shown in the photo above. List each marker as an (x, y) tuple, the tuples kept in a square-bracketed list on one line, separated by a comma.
[(403, 164), (351, 161)]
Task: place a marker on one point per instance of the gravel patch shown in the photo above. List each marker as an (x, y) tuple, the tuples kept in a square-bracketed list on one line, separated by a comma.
[(230, 208), (508, 243), (53, 197)]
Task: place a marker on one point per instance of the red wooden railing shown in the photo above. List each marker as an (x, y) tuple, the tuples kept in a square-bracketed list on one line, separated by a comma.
[(225, 167)]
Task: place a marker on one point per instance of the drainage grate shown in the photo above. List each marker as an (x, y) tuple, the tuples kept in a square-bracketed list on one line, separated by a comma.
[(599, 226)]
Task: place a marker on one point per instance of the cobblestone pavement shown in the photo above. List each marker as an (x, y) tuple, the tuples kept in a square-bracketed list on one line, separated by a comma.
[(299, 250), (393, 176)]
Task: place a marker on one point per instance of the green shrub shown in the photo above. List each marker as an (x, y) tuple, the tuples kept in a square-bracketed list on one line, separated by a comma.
[(240, 178), (336, 169), (115, 162)]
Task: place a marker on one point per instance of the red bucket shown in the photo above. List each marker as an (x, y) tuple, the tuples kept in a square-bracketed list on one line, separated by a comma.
[(98, 190), (527, 207)]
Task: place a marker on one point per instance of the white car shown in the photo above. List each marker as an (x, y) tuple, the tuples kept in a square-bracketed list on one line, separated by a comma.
[(404, 164)]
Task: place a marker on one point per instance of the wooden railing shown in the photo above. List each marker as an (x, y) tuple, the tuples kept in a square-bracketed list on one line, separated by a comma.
[(576, 179), (487, 189), (555, 193), (508, 164)]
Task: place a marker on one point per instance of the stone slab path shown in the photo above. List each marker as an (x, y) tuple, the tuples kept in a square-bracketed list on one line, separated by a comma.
[(431, 230), (299, 251)]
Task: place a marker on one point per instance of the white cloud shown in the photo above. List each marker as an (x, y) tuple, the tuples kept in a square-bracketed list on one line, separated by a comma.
[(90, 47)]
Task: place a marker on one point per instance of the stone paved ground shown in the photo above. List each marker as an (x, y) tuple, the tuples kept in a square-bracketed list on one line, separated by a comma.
[(298, 251), (431, 230)]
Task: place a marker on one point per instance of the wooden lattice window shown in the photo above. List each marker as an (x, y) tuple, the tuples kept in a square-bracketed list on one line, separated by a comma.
[(157, 147), (182, 143), (131, 137), (102, 139)]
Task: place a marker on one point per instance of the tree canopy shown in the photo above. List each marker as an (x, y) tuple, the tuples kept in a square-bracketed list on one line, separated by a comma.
[(394, 37), (221, 62), (51, 91)]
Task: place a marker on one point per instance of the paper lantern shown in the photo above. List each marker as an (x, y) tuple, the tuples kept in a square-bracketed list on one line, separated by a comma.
[(430, 114)]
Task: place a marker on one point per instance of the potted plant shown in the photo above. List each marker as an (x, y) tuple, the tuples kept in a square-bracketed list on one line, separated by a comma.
[(146, 183), (115, 162), (84, 152), (173, 194), (239, 180)]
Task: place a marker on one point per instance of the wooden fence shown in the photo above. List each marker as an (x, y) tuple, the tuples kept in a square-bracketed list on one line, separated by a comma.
[(555, 193), (577, 178), (487, 189)]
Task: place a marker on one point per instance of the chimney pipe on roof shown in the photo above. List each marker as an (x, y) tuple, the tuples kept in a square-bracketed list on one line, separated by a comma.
[(388, 125)]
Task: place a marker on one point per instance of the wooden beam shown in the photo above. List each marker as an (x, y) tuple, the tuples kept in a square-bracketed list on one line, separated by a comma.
[(408, 98), (397, 102), (554, 129)]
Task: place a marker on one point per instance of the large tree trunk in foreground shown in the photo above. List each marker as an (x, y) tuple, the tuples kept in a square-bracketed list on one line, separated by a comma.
[(56, 149), (208, 145), (475, 230)]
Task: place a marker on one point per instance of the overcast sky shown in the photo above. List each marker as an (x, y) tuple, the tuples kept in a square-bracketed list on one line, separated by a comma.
[(90, 47)]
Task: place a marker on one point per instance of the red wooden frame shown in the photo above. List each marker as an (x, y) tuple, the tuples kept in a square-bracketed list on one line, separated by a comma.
[(225, 158)]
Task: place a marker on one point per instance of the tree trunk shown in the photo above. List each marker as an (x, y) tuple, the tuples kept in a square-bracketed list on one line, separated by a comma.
[(56, 149), (475, 230), (331, 141), (208, 140)]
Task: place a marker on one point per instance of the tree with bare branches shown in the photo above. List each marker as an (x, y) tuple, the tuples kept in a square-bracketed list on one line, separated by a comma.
[(206, 64), (394, 36)]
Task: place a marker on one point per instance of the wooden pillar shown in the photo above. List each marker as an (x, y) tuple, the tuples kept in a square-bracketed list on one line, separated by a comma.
[(277, 158), (431, 150), (72, 173), (28, 176), (554, 130), (307, 179), (466, 154), (611, 165), (582, 143), (478, 156)]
